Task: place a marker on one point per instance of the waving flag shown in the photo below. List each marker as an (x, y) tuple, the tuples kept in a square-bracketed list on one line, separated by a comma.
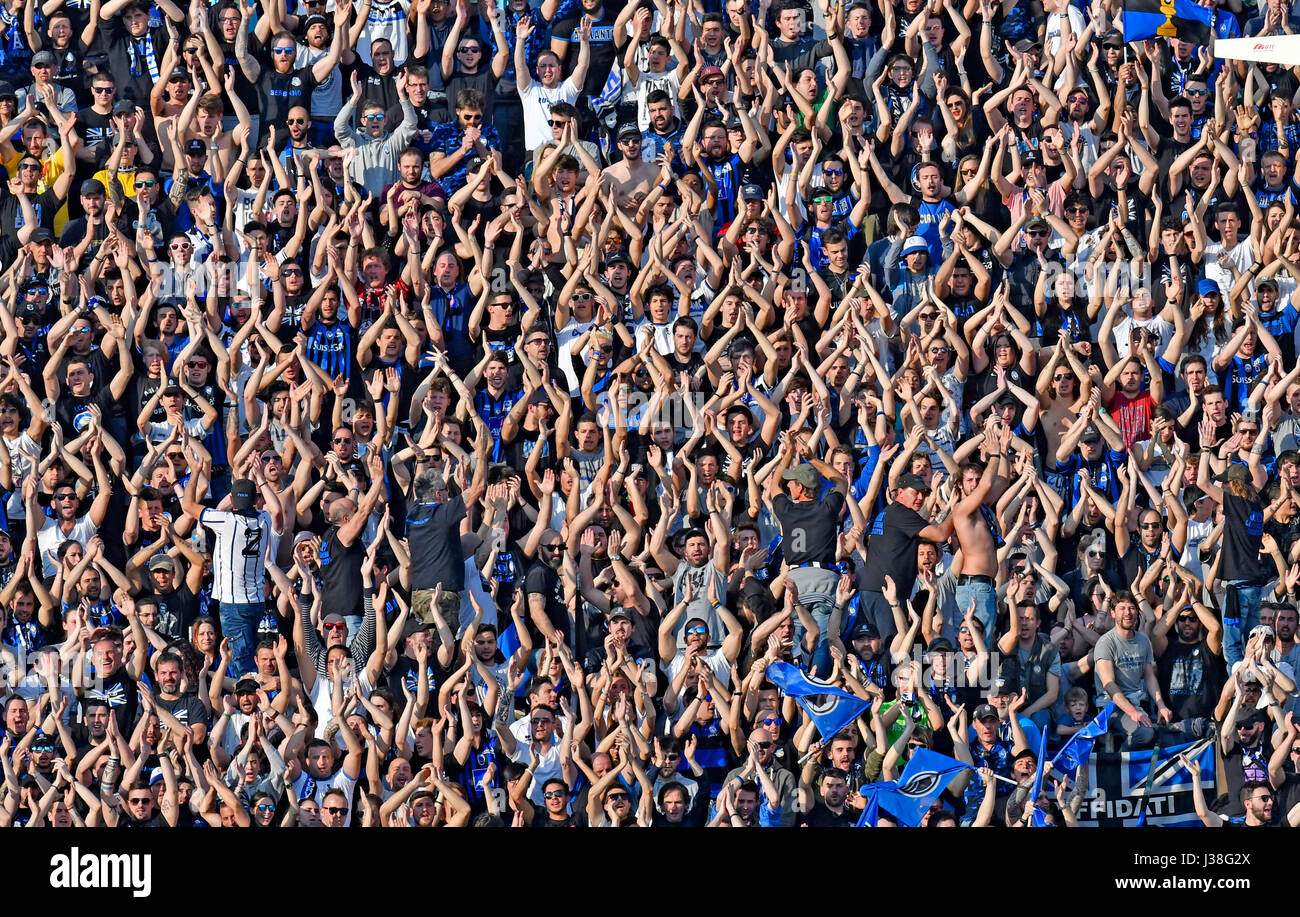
[(1185, 20), (830, 708), (1037, 819), (1078, 750), (923, 780), (612, 91), (871, 811)]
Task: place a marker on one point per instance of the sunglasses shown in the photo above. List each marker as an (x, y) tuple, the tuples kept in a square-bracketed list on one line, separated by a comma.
[(1195, 92), (832, 171), (773, 721), (342, 440), (1062, 377), (616, 797), (374, 116), (554, 794), (180, 246), (32, 166), (697, 630), (765, 745), (472, 119), (336, 627), (286, 50), (296, 120), (335, 810), (146, 183), (65, 496), (265, 807), (468, 49), (553, 547), (554, 123), (103, 90)]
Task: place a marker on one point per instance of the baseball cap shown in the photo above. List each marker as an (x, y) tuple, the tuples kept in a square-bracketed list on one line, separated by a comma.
[(751, 192), (913, 245), (1035, 223), (161, 562), (617, 257), (247, 684), (912, 482), (42, 235), (173, 390), (1027, 43), (710, 71), (1090, 435), (7, 90), (940, 645), (984, 712), (619, 612), (733, 124), (1112, 39), (195, 148), (1206, 287), (242, 494), (43, 58), (865, 629), (179, 73), (1029, 158), (628, 130), (804, 474), (92, 186), (333, 618)]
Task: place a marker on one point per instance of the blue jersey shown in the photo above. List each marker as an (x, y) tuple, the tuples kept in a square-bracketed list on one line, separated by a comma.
[(451, 308), (727, 176), (1240, 377), (330, 347)]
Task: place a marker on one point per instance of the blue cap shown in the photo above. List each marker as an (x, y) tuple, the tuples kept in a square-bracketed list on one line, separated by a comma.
[(1205, 286)]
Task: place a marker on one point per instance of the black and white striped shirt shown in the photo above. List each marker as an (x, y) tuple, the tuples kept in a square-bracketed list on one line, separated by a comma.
[(238, 554)]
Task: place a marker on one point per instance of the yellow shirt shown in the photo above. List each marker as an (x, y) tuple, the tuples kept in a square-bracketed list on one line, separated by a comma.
[(51, 168)]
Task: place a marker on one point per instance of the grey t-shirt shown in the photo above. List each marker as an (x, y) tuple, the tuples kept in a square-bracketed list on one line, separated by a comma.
[(1130, 658), (699, 606)]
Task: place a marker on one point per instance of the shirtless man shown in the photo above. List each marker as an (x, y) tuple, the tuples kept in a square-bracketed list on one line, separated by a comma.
[(977, 581), (632, 177), (1063, 388)]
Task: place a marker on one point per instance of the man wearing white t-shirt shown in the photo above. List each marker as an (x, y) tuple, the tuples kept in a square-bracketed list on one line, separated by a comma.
[(538, 95), (65, 524), (544, 750)]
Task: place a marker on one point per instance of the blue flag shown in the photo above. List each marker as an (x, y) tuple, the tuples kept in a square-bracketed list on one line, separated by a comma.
[(923, 780), (1037, 819), (871, 811), (1076, 752), (611, 91), (508, 643), (830, 708)]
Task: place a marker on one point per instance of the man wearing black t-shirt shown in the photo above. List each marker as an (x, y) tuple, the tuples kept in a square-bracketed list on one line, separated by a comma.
[(548, 614), (808, 535), (341, 549), (186, 708), (830, 811), (892, 550), (566, 33), (282, 86)]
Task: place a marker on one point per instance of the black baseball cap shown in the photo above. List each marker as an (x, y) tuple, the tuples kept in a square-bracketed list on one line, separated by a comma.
[(913, 482), (242, 494)]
